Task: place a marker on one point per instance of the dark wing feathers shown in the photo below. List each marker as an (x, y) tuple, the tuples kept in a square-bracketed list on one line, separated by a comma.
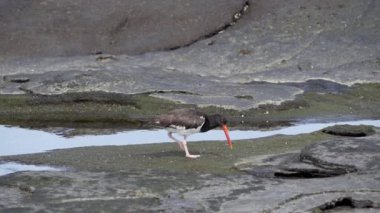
[(189, 118)]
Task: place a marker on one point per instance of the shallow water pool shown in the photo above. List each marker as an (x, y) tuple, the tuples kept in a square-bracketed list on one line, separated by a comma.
[(16, 140), (11, 167)]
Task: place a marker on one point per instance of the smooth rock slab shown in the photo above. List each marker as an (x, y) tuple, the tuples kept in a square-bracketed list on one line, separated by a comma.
[(252, 194), (170, 192), (344, 154), (175, 86), (337, 156), (283, 166), (72, 27)]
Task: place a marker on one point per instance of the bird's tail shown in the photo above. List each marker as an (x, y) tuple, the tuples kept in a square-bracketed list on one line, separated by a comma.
[(151, 121)]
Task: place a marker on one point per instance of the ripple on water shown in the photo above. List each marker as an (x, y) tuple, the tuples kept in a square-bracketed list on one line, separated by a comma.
[(11, 167)]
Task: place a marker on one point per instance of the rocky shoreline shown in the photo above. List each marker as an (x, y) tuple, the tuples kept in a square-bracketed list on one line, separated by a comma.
[(312, 172), (112, 65)]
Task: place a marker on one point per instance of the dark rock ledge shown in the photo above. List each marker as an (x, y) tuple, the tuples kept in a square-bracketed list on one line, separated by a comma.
[(336, 156)]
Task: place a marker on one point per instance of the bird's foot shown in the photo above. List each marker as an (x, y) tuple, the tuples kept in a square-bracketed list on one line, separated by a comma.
[(192, 156)]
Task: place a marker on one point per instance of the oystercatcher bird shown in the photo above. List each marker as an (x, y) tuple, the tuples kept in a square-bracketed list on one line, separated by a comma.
[(186, 122)]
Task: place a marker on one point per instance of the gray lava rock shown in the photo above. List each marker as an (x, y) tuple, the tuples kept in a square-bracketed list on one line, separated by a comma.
[(154, 191), (299, 186), (284, 166), (189, 89), (343, 154), (300, 195), (50, 28), (349, 130), (324, 159)]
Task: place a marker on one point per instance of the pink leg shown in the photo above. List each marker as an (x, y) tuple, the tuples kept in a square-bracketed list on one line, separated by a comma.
[(184, 142), (170, 134)]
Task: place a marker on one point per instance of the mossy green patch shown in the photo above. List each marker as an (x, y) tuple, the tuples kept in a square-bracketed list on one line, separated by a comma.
[(108, 110), (360, 101), (215, 158), (80, 110)]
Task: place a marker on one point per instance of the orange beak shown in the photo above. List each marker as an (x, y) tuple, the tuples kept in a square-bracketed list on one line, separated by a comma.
[(225, 129)]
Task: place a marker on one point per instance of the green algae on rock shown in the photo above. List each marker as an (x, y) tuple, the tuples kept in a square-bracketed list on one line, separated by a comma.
[(102, 110)]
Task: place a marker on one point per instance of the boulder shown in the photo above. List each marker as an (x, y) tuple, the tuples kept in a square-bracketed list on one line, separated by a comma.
[(343, 154), (349, 130)]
